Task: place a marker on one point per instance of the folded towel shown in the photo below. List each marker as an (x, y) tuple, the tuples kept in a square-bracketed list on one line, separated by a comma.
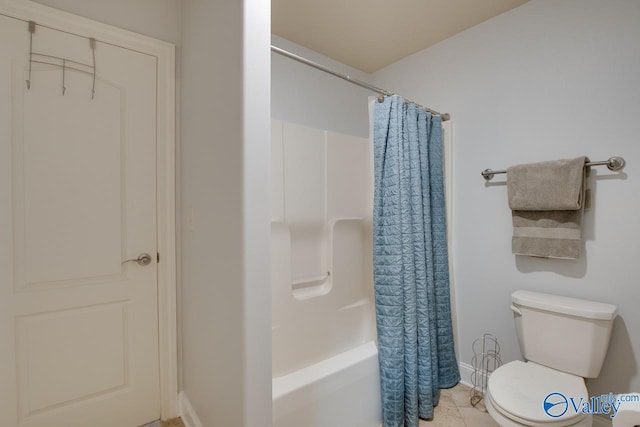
[(547, 204), (546, 186)]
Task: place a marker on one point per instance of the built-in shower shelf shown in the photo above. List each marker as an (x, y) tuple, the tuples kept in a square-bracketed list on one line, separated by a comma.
[(347, 218), (310, 281), (312, 286), (316, 285)]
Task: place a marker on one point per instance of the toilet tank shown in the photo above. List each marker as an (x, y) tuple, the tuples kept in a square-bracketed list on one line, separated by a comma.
[(567, 334)]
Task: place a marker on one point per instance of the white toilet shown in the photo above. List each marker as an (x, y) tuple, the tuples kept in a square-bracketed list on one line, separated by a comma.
[(563, 341)]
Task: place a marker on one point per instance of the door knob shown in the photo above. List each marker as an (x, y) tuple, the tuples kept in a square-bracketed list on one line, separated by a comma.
[(143, 259)]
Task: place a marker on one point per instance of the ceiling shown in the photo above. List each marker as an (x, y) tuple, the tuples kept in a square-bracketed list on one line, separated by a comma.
[(371, 34)]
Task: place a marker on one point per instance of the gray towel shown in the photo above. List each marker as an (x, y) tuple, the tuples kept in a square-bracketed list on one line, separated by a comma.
[(547, 202)]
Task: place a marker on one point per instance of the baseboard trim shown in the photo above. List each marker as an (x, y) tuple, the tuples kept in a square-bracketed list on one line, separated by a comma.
[(187, 413), (466, 371)]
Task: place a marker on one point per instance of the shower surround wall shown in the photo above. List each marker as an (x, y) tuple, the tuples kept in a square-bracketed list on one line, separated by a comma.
[(324, 355), (304, 95)]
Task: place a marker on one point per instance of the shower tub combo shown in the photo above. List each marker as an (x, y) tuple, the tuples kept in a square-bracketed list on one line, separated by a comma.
[(325, 365)]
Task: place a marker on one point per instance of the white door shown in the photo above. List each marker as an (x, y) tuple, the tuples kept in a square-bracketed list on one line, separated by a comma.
[(78, 328)]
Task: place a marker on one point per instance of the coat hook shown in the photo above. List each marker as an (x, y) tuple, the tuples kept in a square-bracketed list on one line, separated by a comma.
[(92, 44), (32, 29), (64, 69)]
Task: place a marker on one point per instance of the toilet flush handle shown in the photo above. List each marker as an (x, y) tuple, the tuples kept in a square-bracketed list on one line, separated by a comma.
[(516, 310)]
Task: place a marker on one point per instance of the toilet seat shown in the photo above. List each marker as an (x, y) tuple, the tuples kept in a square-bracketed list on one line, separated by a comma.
[(517, 390), (505, 421)]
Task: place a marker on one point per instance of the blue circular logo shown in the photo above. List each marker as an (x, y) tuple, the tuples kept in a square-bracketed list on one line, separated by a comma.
[(555, 404)]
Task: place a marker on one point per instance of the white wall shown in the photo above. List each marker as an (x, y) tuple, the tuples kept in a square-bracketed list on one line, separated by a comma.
[(550, 79), (225, 189), (155, 18), (301, 94)]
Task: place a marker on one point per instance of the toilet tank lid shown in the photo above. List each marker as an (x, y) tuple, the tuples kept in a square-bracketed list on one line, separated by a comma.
[(565, 305)]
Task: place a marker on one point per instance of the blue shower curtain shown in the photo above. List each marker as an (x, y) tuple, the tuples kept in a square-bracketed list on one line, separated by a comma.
[(411, 268)]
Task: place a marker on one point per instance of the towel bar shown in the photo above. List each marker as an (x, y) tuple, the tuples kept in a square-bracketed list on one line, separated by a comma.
[(614, 164)]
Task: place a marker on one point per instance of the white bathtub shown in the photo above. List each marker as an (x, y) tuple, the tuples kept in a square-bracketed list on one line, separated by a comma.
[(342, 391)]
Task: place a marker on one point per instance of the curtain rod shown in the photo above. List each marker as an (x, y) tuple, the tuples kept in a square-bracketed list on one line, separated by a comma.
[(382, 92)]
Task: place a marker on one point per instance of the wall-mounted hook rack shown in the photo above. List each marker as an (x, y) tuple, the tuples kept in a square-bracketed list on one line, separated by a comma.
[(61, 62)]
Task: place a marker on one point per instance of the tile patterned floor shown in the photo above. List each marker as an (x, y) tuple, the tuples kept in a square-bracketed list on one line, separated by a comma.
[(176, 422), (455, 410)]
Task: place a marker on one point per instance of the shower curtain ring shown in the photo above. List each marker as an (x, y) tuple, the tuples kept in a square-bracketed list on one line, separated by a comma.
[(381, 98)]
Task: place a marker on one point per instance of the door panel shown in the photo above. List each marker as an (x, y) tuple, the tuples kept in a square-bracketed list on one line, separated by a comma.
[(85, 355), (81, 237), (78, 328)]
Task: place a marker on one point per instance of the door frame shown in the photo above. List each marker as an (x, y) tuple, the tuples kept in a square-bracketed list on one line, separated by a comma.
[(165, 169)]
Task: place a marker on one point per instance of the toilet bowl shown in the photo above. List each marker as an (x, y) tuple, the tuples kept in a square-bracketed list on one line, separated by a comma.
[(505, 421), (516, 394), (563, 341)]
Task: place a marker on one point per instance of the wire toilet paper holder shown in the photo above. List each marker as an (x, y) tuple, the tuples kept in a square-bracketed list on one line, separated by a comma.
[(486, 359)]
